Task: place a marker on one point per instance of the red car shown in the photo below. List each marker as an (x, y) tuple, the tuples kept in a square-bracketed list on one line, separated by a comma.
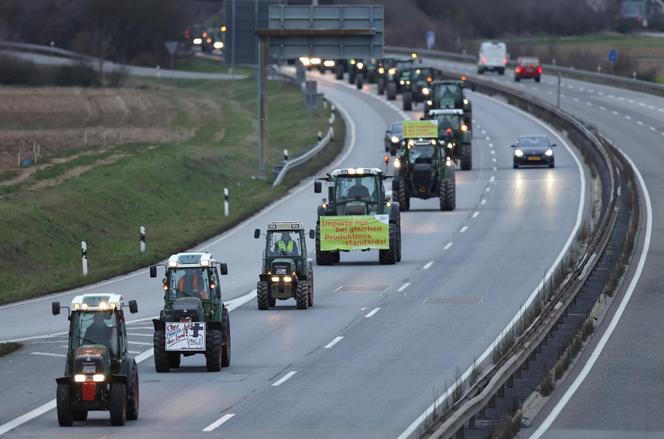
[(527, 68)]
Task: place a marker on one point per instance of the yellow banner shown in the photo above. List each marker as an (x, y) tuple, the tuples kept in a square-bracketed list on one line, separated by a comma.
[(415, 129), (357, 232)]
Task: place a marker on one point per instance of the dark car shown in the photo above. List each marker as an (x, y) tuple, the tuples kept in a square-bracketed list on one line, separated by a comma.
[(527, 68), (533, 150), (393, 136)]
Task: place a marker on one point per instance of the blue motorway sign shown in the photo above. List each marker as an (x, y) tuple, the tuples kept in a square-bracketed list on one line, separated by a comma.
[(613, 55), (431, 39)]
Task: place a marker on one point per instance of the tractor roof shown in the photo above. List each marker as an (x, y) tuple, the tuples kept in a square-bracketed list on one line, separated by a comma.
[(285, 225), (356, 171), (185, 260), (97, 302), (446, 111)]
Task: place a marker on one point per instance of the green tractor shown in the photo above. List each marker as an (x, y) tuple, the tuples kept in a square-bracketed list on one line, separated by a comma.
[(455, 134), (450, 94), (286, 273), (415, 85), (99, 372), (423, 170), (357, 215), (394, 75), (194, 319)]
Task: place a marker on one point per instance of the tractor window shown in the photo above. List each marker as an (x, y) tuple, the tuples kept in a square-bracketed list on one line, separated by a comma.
[(446, 121), (448, 92), (189, 282), (422, 153), (91, 328), (357, 189), (283, 243)]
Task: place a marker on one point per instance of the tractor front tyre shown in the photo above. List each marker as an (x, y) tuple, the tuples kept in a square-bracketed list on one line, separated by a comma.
[(226, 332), (404, 199), (213, 350), (263, 295), (117, 404), (466, 157), (447, 194), (161, 360), (174, 360), (133, 394), (79, 414), (399, 242), (391, 91), (323, 258), (359, 82), (351, 77), (302, 294), (339, 71), (311, 288), (63, 400), (389, 256), (407, 97), (381, 86)]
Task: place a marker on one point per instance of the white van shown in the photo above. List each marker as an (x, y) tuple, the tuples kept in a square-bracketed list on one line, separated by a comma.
[(493, 56)]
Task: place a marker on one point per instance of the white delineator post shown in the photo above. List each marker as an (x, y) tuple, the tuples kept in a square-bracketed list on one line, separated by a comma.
[(84, 257), (285, 155), (226, 201), (142, 239)]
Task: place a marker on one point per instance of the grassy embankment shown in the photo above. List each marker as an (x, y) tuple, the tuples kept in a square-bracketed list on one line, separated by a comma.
[(175, 189)]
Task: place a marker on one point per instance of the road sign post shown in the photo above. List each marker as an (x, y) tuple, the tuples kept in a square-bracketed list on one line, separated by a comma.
[(613, 57), (172, 47), (431, 39)]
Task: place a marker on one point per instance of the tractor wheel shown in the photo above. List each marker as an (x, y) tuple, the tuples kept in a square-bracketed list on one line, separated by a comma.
[(516, 78), (389, 256), (359, 82), (381, 86), (79, 414), (466, 157), (391, 91), (161, 363), (117, 404), (63, 399), (323, 258), (226, 332), (336, 256), (447, 194), (538, 79), (351, 76), (399, 242), (302, 295), (339, 71), (404, 199), (407, 97), (273, 302), (263, 295), (174, 359), (133, 394), (213, 348), (311, 288)]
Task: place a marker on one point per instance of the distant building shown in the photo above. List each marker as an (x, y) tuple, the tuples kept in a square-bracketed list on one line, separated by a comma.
[(640, 12)]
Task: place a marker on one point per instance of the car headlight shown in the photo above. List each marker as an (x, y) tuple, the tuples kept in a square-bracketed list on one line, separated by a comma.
[(98, 378), (450, 145), (549, 152), (275, 279), (329, 63), (464, 128), (425, 91), (407, 82), (448, 162), (395, 139), (397, 163), (518, 153)]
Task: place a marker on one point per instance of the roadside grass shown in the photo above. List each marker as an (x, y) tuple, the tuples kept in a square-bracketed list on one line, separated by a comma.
[(8, 348), (174, 189), (206, 65)]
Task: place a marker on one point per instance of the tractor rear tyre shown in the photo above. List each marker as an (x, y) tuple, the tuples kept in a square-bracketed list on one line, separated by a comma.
[(389, 256), (213, 350), (339, 71), (161, 363), (133, 394), (302, 295), (407, 97), (63, 399), (311, 288), (118, 404), (226, 332), (79, 414), (263, 295), (351, 77), (359, 82), (466, 157), (323, 258), (381, 86), (404, 199), (447, 194), (391, 91), (174, 359)]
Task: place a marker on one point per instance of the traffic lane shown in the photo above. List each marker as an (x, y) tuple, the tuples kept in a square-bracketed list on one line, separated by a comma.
[(426, 333)]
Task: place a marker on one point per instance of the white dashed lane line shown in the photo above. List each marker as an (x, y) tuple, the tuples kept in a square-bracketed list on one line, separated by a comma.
[(448, 246), (427, 265), (475, 214), (463, 229), (218, 422), (403, 287), (283, 379), (372, 312), (333, 342)]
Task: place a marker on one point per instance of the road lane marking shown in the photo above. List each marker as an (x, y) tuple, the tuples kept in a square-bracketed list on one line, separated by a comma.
[(338, 288), (488, 189), (463, 229), (427, 265), (602, 108), (483, 201), (333, 342), (638, 122), (492, 179), (628, 117), (218, 422), (403, 287), (372, 312), (475, 214), (138, 334), (284, 378), (48, 354), (448, 245), (134, 352), (652, 128), (615, 112), (141, 343)]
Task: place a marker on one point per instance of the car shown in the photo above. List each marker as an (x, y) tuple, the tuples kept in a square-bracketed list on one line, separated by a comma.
[(527, 68), (492, 57), (393, 136), (534, 150)]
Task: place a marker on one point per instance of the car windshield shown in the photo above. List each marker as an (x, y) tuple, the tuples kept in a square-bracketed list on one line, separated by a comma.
[(421, 153), (528, 61), (396, 128), (447, 91), (189, 282), (283, 243), (446, 121), (534, 141), (93, 328), (361, 188)]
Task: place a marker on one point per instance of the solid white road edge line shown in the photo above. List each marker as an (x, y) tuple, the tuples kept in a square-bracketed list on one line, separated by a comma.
[(284, 378), (48, 354), (372, 312), (558, 408), (218, 422), (579, 216), (333, 342)]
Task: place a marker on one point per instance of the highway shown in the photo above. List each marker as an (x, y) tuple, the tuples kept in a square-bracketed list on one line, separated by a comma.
[(616, 390), (381, 342)]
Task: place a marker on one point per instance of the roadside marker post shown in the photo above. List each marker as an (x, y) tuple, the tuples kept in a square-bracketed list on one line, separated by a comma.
[(84, 257), (226, 204), (142, 239)]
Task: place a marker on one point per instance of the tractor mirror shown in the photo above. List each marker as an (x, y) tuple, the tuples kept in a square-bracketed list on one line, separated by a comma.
[(312, 234), (422, 118), (257, 233), (318, 187), (55, 308), (133, 307), (386, 159), (153, 271), (513, 146), (223, 269), (553, 144)]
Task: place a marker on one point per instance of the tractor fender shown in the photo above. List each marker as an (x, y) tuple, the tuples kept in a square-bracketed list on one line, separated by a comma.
[(122, 379), (395, 181), (213, 325), (63, 380), (263, 277), (321, 211), (159, 325)]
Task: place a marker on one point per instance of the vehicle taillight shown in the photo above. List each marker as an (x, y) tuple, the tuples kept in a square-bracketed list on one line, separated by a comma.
[(539, 70), (482, 59), (518, 69), (506, 60)]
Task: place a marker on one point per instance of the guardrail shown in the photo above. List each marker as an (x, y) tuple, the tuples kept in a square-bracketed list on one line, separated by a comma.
[(583, 75), (616, 194)]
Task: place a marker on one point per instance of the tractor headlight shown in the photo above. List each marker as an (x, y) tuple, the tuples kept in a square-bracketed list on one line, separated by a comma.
[(464, 128), (315, 61), (352, 61), (395, 139), (275, 279), (288, 279), (381, 70), (397, 163), (518, 153), (360, 66), (448, 162), (392, 71), (425, 91), (98, 378), (329, 63), (408, 82), (450, 145), (429, 103), (549, 152), (465, 102), (79, 378), (401, 82)]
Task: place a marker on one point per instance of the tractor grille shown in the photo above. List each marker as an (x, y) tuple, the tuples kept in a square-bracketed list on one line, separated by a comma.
[(422, 176)]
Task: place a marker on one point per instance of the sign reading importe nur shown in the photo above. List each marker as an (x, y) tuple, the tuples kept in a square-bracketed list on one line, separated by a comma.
[(358, 232)]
